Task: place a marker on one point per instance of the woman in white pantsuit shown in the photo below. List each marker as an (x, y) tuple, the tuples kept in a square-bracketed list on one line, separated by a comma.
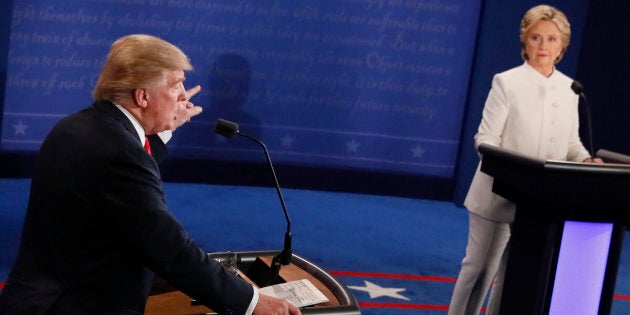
[(530, 109)]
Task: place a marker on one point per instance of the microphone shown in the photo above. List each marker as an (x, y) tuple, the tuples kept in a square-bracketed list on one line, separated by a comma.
[(226, 128), (579, 90), (230, 129)]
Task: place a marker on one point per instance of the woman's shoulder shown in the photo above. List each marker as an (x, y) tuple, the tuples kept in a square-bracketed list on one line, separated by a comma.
[(510, 77), (512, 72), (561, 77)]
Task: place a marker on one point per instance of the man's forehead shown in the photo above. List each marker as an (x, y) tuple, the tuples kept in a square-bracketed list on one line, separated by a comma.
[(175, 76)]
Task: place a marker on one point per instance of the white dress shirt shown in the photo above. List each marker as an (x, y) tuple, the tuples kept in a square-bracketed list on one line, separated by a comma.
[(164, 135)]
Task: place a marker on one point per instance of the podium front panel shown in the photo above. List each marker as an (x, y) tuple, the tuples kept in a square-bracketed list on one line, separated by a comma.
[(581, 268)]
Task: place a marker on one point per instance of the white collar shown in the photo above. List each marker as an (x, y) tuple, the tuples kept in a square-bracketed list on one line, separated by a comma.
[(134, 122), (553, 74)]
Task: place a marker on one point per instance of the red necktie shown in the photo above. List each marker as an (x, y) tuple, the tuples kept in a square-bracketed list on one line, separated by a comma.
[(147, 145)]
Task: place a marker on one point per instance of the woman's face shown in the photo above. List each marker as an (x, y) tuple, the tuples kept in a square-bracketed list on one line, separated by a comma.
[(543, 45)]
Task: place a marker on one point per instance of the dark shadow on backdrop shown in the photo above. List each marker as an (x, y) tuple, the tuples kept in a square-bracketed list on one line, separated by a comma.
[(225, 94), (229, 89), (230, 80)]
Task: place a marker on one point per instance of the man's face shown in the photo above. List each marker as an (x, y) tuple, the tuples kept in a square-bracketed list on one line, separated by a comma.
[(164, 100)]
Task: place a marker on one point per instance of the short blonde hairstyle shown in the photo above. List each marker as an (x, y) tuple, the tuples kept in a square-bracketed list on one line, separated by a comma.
[(545, 13), (137, 61)]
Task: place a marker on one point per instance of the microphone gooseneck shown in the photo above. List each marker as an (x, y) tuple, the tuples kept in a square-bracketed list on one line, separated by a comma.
[(579, 90), (231, 129)]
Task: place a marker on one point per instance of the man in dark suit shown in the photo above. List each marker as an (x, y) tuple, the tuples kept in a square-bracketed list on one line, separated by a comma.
[(97, 226)]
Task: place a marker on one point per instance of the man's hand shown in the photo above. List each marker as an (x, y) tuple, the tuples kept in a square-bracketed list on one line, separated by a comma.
[(187, 110), (268, 305)]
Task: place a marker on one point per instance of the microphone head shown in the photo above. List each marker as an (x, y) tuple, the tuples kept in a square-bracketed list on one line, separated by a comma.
[(226, 128), (577, 87)]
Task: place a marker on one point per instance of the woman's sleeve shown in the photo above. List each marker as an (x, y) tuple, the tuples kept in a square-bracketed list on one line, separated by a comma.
[(494, 115)]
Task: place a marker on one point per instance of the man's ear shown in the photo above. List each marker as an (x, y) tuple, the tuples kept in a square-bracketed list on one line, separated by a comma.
[(141, 97)]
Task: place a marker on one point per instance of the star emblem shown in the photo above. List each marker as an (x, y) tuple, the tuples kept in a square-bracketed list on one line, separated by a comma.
[(376, 291), (287, 141), (417, 152), (20, 128), (352, 146)]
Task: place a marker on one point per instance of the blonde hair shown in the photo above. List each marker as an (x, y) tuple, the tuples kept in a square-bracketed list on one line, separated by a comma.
[(545, 13), (137, 61)]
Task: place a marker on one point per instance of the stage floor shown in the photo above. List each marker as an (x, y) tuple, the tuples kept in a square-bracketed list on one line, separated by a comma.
[(397, 255)]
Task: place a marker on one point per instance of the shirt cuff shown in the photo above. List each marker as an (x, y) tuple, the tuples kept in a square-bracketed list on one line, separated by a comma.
[(253, 303), (165, 135)]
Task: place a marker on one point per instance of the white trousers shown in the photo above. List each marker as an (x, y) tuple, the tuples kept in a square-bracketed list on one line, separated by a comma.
[(485, 261)]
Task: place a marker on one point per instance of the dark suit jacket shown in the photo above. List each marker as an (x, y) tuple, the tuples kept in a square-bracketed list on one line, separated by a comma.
[(97, 227)]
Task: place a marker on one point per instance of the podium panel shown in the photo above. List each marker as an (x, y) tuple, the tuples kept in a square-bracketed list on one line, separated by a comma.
[(254, 267), (588, 243), (559, 205)]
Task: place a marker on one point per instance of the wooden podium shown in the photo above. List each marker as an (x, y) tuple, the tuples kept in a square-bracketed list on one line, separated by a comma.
[(567, 234), (165, 300)]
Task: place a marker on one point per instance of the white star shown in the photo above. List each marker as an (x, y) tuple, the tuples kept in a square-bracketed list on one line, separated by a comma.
[(352, 146), (287, 141), (417, 152), (376, 291), (20, 128)]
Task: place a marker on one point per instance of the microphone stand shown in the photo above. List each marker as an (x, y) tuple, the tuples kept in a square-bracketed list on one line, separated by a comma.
[(284, 258), (579, 90), (590, 125), (230, 129)]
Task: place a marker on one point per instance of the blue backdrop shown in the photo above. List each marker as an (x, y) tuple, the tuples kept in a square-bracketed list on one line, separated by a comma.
[(369, 147), (371, 85)]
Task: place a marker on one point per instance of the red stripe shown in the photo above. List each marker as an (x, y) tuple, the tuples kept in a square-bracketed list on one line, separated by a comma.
[(408, 306), (414, 277), (622, 297), (1, 285), (404, 306), (392, 276)]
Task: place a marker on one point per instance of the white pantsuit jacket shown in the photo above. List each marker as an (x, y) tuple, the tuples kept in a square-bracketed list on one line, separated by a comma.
[(531, 114)]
